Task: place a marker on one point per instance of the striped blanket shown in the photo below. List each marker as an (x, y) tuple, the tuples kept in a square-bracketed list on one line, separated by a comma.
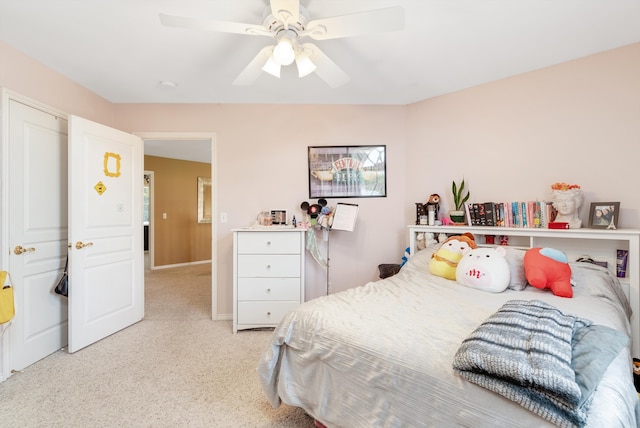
[(524, 353)]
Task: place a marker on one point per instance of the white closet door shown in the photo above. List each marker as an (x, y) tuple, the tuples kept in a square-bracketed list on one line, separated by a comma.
[(37, 214)]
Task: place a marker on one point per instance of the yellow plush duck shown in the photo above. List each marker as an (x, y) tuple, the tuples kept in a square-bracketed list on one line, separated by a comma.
[(445, 261)]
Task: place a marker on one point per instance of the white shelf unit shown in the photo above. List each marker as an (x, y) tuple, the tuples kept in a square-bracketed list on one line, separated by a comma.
[(268, 275), (599, 244)]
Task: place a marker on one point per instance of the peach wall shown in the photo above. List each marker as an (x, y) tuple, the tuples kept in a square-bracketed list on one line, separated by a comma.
[(577, 122), (262, 164), (29, 78)]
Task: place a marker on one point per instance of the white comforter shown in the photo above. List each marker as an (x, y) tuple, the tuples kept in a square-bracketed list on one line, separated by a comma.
[(381, 355)]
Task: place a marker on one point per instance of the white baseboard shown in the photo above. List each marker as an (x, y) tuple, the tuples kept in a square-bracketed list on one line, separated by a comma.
[(201, 262)]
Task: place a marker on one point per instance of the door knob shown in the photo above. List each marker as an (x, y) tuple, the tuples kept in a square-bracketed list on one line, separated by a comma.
[(19, 250), (80, 245)]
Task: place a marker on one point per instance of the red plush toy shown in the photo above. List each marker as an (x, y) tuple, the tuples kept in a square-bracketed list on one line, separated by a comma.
[(548, 268)]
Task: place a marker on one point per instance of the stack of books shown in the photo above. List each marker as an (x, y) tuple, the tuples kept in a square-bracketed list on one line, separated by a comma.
[(534, 214)]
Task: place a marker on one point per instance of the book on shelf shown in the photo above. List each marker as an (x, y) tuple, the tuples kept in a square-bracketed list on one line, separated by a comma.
[(490, 213), (526, 214), (467, 211), (482, 219)]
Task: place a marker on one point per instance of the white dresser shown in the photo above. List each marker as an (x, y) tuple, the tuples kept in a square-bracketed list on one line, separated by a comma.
[(268, 275)]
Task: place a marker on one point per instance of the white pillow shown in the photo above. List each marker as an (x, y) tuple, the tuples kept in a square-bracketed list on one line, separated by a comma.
[(422, 257)]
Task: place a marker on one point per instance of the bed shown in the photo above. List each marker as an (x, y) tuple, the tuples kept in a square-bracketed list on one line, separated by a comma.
[(381, 354)]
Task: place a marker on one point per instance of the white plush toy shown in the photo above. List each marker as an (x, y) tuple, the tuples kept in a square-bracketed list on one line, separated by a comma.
[(485, 269), (425, 240)]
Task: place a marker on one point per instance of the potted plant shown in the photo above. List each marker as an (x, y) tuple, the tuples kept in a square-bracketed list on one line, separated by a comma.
[(459, 199)]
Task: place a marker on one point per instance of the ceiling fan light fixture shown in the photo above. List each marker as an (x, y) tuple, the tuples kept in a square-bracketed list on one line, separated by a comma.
[(272, 67), (287, 22), (284, 52), (304, 64)]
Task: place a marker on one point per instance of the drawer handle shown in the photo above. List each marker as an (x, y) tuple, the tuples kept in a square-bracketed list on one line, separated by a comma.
[(268, 290), (268, 314), (268, 266), (268, 242)]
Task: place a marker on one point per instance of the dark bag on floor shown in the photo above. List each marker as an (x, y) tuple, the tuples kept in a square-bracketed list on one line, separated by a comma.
[(62, 288)]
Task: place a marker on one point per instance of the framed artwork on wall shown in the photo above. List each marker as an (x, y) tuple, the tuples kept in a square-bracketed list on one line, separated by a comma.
[(347, 171), (604, 215)]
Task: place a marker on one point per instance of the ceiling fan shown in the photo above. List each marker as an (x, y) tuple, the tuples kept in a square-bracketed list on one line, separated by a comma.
[(288, 23)]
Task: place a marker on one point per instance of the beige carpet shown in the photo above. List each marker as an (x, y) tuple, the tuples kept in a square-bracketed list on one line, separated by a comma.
[(176, 368)]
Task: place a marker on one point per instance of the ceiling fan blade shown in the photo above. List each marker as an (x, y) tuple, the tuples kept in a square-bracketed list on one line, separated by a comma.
[(253, 70), (356, 24), (212, 25), (286, 10), (326, 69)]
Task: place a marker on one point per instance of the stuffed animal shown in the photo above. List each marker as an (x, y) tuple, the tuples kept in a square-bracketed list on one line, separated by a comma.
[(445, 261), (485, 268), (425, 239), (434, 200), (431, 240), (446, 221), (548, 268)]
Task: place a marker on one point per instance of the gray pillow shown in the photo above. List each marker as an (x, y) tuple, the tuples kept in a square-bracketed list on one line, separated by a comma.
[(515, 258)]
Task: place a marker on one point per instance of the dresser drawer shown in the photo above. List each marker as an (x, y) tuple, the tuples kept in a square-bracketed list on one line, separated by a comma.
[(268, 266), (263, 312), (268, 243), (269, 289)]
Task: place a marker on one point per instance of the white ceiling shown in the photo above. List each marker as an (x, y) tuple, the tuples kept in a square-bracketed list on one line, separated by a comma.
[(119, 50), (189, 150)]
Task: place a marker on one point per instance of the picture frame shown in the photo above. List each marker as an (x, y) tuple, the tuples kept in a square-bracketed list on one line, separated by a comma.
[(204, 200), (278, 217), (604, 215), (347, 171)]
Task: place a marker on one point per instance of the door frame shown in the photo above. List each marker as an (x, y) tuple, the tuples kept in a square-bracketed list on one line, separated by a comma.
[(211, 136), (6, 96), (151, 213)]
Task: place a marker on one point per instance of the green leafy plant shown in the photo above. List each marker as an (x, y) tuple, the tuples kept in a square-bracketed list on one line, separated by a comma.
[(459, 195)]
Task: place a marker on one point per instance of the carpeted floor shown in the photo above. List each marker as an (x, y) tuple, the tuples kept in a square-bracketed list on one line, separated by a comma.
[(175, 368)]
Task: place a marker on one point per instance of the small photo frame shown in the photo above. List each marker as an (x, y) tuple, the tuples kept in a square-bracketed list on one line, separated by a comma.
[(278, 216), (604, 215)]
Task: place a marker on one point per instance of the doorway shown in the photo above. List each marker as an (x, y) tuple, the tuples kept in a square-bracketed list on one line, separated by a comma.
[(49, 160), (193, 147)]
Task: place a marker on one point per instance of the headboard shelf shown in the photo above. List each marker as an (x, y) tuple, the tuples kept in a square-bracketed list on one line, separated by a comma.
[(599, 244)]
